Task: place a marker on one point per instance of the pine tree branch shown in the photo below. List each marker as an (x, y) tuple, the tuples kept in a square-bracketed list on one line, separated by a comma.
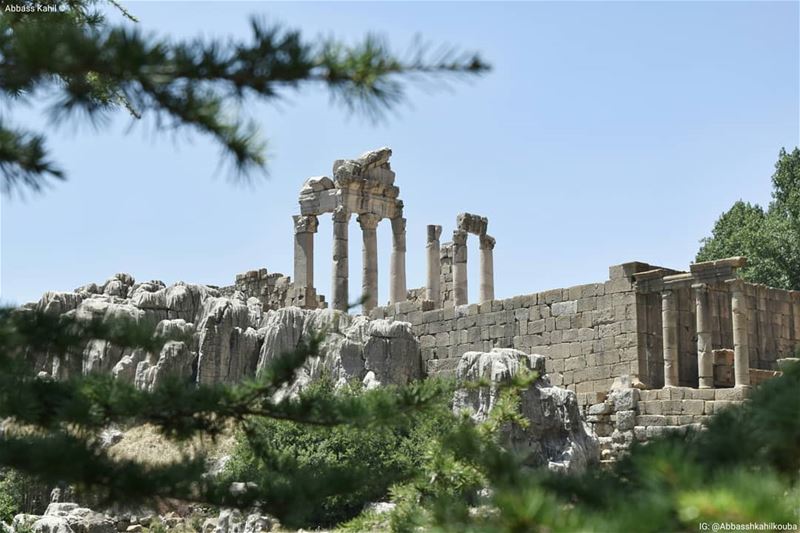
[(94, 68), (24, 162)]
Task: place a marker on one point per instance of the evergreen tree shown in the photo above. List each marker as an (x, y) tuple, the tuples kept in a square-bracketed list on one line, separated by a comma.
[(89, 67)]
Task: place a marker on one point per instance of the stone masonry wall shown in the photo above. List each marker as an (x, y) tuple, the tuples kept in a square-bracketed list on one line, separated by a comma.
[(774, 327), (587, 332)]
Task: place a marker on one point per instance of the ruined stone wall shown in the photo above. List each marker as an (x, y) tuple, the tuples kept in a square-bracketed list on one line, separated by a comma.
[(587, 332), (774, 326), (773, 329), (629, 414), (272, 290)]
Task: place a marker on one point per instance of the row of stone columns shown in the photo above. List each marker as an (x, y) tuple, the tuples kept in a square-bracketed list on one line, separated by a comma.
[(705, 358), (306, 226), (460, 284)]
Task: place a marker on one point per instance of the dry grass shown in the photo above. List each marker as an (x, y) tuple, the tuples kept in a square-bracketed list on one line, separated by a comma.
[(144, 444)]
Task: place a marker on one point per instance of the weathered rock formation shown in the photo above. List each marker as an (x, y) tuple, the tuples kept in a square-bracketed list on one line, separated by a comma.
[(65, 518), (211, 338), (556, 436)]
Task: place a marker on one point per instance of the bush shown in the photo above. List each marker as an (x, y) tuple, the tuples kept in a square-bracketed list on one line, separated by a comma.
[(368, 459), (11, 495)]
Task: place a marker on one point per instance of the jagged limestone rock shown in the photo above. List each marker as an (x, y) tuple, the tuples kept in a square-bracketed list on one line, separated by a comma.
[(227, 345), (556, 437), (354, 348), (214, 339), (58, 303)]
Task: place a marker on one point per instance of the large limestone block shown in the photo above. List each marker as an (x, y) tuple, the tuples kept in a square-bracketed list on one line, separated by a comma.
[(556, 437)]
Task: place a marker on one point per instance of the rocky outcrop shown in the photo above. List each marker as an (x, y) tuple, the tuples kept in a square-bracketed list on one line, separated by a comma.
[(211, 338), (556, 436), (65, 518), (354, 348)]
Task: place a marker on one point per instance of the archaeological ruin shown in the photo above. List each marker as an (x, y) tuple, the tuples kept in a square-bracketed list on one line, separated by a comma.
[(648, 350)]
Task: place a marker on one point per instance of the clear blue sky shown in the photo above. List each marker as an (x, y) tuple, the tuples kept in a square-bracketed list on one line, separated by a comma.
[(607, 132)]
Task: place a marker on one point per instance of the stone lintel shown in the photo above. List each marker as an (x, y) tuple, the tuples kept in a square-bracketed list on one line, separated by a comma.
[(677, 281), (728, 263), (356, 202), (475, 224)]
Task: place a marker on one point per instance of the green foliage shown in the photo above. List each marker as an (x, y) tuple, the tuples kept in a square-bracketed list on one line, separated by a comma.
[(743, 468), (769, 238), (90, 68), (365, 461), (55, 420), (317, 459), (11, 495)]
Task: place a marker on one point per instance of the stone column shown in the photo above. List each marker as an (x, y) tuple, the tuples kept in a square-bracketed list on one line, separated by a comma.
[(304, 229), (369, 261), (669, 320), (340, 288), (487, 268), (460, 268), (741, 342), (705, 358), (397, 268), (433, 286)]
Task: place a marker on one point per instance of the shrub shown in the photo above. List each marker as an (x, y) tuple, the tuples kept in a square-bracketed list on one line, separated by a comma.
[(11, 494), (368, 459)]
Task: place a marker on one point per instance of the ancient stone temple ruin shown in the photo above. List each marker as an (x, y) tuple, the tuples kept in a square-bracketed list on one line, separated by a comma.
[(663, 326), (363, 187), (648, 349), (702, 335)]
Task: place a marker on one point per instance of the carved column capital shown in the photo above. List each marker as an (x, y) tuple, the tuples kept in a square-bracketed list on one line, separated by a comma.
[(460, 238), (700, 287), (399, 225), (487, 242), (305, 223), (735, 285), (340, 214), (368, 221)]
